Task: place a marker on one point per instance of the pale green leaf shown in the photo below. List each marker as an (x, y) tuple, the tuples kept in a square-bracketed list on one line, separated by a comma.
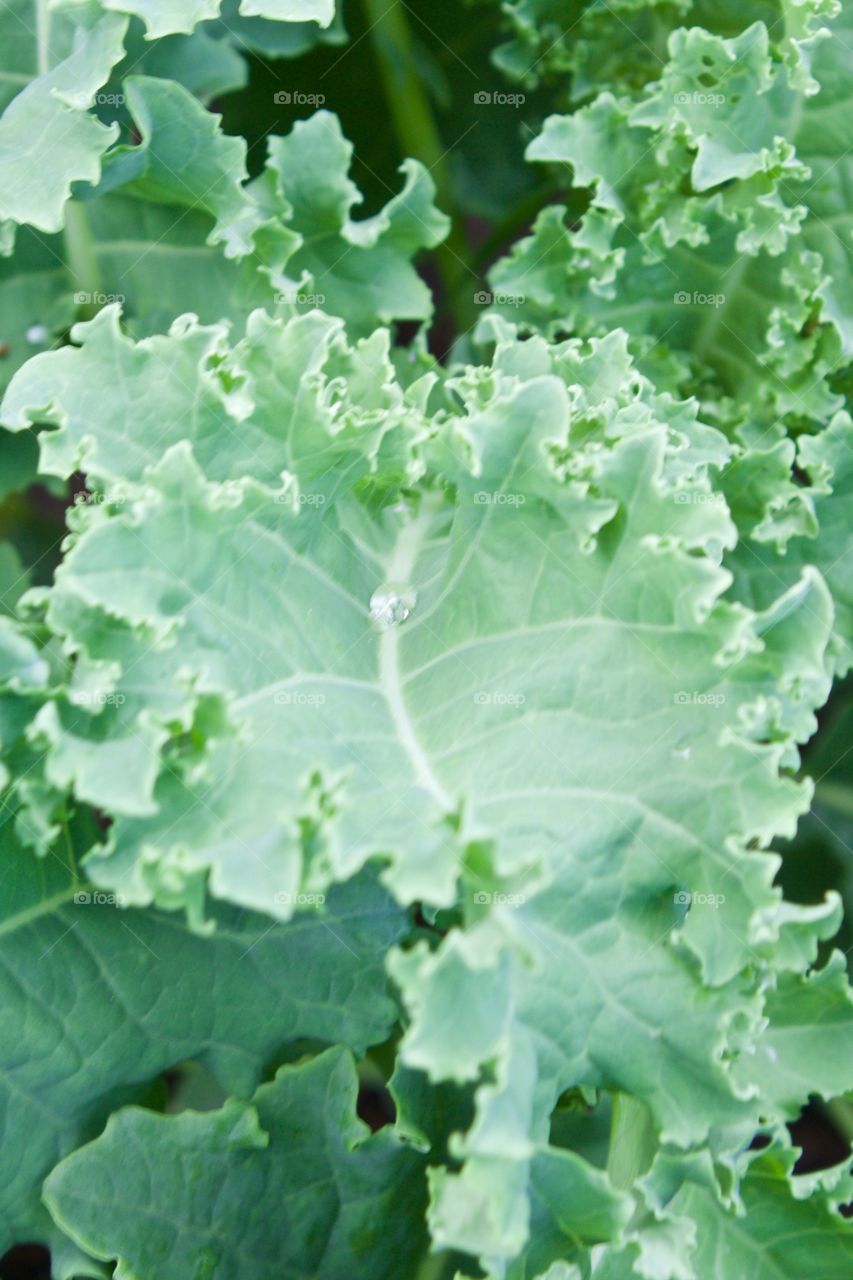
[(123, 996), (300, 1188), (48, 138)]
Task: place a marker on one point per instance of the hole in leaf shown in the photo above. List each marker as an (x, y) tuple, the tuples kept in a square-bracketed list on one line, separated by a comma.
[(821, 1143), (25, 1262), (375, 1105)]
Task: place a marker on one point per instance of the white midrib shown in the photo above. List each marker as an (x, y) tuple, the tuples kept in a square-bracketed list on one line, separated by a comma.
[(42, 38), (399, 569), (46, 907)]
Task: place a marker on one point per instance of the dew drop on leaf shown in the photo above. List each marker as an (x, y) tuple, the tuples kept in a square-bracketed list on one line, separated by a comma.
[(390, 605)]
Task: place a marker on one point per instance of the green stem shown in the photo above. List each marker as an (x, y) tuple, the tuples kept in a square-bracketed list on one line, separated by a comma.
[(42, 37), (434, 1267), (80, 257), (418, 136), (411, 115), (840, 1112), (69, 848), (835, 796), (632, 1140)]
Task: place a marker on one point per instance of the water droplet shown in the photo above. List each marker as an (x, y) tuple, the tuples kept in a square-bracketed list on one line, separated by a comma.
[(390, 605), (682, 753), (771, 1053), (37, 335)]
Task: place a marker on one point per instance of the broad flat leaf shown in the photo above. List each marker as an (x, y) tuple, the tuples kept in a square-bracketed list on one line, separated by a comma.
[(774, 1225), (124, 996), (361, 270), (292, 224), (553, 714), (319, 11), (36, 299), (821, 142), (152, 258), (275, 399), (725, 175), (14, 578), (300, 1188), (553, 38), (768, 557), (166, 17), (48, 138), (808, 1047), (785, 1232), (462, 602), (275, 39), (736, 127), (184, 159), (623, 44), (206, 62)]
